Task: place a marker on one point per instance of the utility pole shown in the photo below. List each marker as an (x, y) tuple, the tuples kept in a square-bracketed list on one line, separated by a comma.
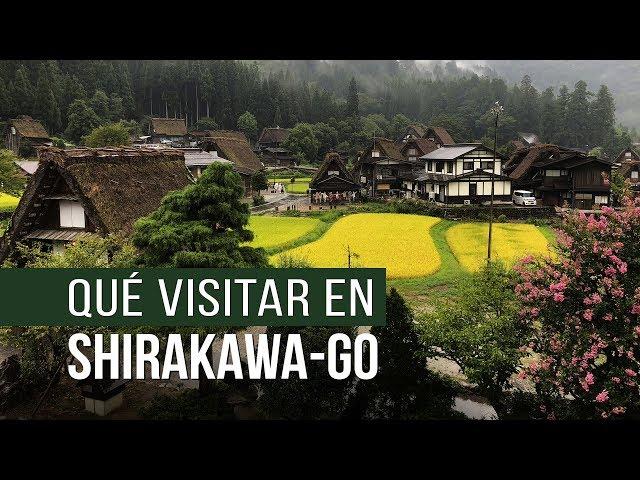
[(496, 110)]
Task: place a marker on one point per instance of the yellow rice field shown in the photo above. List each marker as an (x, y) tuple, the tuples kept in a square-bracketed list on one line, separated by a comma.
[(398, 242), (510, 242), (270, 232), (8, 201)]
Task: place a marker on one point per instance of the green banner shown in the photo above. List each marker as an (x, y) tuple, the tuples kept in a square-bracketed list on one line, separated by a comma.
[(193, 297)]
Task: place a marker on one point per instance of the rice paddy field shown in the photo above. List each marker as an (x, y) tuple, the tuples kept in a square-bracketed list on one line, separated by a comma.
[(398, 242), (510, 243), (275, 232), (300, 186), (8, 202)]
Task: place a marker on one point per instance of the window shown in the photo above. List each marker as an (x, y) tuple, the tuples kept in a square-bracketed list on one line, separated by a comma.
[(627, 154), (601, 199), (553, 173), (584, 196), (71, 214), (467, 165), (439, 166), (375, 153), (429, 166), (412, 151), (486, 165), (449, 167), (333, 172), (363, 179), (473, 189), (634, 174)]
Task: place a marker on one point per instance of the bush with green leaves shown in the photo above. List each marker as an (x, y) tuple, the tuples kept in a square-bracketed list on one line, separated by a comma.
[(482, 331), (110, 135)]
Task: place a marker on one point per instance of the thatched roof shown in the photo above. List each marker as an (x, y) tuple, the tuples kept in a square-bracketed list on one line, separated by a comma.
[(116, 186), (440, 134), (332, 161), (423, 144), (389, 149), (416, 129), (235, 147), (172, 127), (273, 135), (628, 166), (622, 155), (27, 127)]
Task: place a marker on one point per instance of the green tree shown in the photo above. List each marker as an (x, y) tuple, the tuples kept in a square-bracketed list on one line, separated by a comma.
[(23, 93), (110, 135), (259, 180), (99, 103), (206, 123), (82, 120), (403, 388), (603, 121), (11, 181), (398, 126), (549, 115), (578, 115), (7, 107), (248, 125), (481, 331), (45, 105), (201, 226), (327, 137), (302, 143), (318, 396), (352, 108)]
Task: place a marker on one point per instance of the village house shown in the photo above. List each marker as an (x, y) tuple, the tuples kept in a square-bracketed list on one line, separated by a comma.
[(272, 137), (383, 171), (415, 130), (462, 173), (628, 164), (332, 176), (81, 192), (278, 157), (437, 135), (198, 160), (559, 175), (234, 147), (168, 130), (23, 132)]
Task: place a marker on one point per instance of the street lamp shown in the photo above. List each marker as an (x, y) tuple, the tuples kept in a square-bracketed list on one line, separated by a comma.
[(496, 110)]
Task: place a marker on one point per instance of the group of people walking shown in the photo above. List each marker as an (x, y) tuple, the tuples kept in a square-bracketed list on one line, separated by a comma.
[(277, 187), (333, 197)]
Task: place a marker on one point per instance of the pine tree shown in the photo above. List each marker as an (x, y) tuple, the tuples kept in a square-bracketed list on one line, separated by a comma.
[(23, 91), (561, 135), (578, 115), (45, 105), (352, 107), (549, 115), (603, 120)]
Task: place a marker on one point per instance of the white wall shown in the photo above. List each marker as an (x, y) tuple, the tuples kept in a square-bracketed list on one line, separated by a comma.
[(71, 214)]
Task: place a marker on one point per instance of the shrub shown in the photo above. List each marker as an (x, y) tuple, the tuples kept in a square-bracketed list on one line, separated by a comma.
[(586, 308), (258, 200), (501, 218)]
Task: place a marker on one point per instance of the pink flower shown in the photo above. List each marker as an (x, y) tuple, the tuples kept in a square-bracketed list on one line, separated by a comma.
[(589, 378), (602, 397), (608, 317), (630, 372), (588, 314), (615, 379), (558, 297)]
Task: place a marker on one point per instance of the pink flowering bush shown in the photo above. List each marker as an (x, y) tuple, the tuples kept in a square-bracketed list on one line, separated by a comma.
[(584, 308)]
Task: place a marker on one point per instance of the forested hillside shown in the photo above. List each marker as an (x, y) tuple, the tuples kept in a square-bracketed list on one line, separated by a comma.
[(74, 97)]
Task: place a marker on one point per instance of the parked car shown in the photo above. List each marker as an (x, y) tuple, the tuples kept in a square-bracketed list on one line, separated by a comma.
[(523, 197)]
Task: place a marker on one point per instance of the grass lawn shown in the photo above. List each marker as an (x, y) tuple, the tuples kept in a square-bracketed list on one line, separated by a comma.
[(511, 242), (300, 186), (277, 233), (398, 242), (8, 202)]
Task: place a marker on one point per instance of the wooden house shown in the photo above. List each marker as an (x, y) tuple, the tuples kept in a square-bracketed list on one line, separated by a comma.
[(332, 176), (234, 147), (414, 148), (198, 160), (383, 171), (23, 131), (438, 135), (413, 131), (272, 137), (278, 157), (559, 175), (462, 173), (168, 130), (628, 165), (81, 192)]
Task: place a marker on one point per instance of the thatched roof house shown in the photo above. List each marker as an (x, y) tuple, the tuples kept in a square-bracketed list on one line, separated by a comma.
[(438, 135), (272, 137), (167, 129), (333, 176), (84, 191), (25, 128), (235, 147)]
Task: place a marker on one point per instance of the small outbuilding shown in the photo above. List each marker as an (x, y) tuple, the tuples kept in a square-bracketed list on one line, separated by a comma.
[(332, 176), (23, 131)]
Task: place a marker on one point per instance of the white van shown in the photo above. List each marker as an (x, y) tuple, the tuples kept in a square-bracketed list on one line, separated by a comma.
[(523, 197)]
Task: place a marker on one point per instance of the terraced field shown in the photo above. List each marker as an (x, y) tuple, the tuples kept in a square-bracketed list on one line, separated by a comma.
[(398, 242), (510, 243), (272, 233)]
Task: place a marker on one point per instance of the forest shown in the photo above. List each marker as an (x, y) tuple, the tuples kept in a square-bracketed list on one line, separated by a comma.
[(346, 103)]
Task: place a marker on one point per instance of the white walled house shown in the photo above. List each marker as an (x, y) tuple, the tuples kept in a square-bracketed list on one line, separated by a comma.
[(461, 173)]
